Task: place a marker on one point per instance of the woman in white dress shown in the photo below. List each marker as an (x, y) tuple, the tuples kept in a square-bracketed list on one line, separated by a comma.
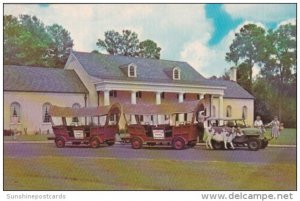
[(275, 132)]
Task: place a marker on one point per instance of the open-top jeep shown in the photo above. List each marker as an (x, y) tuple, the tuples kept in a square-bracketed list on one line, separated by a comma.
[(245, 136)]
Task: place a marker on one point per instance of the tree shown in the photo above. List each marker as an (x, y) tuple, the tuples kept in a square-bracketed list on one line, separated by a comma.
[(25, 41), (28, 42), (149, 49), (279, 68), (120, 44), (244, 76), (248, 47), (60, 46), (127, 44)]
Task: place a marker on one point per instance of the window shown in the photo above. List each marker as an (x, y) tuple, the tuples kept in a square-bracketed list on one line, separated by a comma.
[(177, 117), (46, 116), (185, 116), (228, 111), (113, 93), (131, 70), (151, 117), (162, 95), (75, 119), (139, 94), (198, 97), (141, 117), (176, 74), (15, 112), (213, 112), (167, 117), (244, 112)]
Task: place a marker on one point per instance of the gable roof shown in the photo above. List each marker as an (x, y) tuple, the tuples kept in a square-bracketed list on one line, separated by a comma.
[(41, 79), (152, 70), (148, 70)]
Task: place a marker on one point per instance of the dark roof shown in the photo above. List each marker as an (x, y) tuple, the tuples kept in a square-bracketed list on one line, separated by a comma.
[(233, 90), (42, 79), (153, 70), (110, 67)]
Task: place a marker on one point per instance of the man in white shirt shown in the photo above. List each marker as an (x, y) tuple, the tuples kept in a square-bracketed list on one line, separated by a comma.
[(258, 123)]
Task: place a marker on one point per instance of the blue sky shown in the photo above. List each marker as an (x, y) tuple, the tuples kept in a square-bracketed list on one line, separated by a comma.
[(197, 33)]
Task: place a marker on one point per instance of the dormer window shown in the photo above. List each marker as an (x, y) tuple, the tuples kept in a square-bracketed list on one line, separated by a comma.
[(176, 73), (131, 70)]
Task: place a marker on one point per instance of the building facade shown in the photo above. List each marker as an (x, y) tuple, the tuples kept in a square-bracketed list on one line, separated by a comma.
[(92, 79)]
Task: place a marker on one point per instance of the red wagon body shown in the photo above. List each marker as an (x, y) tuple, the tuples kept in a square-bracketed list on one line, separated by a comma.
[(179, 135), (93, 134)]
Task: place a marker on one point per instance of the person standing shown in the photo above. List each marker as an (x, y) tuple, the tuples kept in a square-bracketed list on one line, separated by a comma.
[(201, 119), (258, 123), (275, 131)]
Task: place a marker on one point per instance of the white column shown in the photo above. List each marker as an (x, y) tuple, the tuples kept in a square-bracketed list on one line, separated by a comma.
[(106, 97), (133, 101), (211, 105), (220, 106), (158, 102), (180, 100), (158, 97), (133, 97)]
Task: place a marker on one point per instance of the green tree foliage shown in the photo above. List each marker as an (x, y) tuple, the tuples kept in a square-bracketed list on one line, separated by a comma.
[(149, 49), (27, 41), (244, 76), (279, 68), (60, 46), (127, 44), (275, 52), (247, 49)]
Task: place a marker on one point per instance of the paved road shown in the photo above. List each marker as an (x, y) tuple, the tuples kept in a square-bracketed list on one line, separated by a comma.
[(198, 153)]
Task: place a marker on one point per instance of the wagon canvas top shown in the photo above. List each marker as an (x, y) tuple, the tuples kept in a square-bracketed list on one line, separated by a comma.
[(170, 108), (81, 112)]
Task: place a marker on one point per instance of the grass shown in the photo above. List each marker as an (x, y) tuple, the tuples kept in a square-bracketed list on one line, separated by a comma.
[(61, 173), (287, 136)]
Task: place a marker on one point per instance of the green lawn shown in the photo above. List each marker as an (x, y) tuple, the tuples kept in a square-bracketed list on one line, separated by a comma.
[(287, 136), (60, 173)]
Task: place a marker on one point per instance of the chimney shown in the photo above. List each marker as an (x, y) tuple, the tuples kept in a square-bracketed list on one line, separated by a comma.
[(233, 71)]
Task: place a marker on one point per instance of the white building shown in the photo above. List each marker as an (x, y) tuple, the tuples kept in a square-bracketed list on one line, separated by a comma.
[(91, 79)]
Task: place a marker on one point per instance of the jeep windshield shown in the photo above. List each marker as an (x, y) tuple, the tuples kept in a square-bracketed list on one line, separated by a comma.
[(226, 122)]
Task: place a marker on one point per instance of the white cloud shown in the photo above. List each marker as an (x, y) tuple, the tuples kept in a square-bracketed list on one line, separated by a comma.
[(210, 60), (261, 12)]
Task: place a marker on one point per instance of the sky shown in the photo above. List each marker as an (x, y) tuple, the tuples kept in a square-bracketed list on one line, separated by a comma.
[(199, 34)]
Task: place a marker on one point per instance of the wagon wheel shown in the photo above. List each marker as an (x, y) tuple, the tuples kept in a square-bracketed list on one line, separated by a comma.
[(217, 145), (136, 143), (178, 143), (60, 142), (94, 143), (254, 144), (264, 144)]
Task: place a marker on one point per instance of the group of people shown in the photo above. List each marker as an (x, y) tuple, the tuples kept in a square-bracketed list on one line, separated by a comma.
[(275, 124)]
